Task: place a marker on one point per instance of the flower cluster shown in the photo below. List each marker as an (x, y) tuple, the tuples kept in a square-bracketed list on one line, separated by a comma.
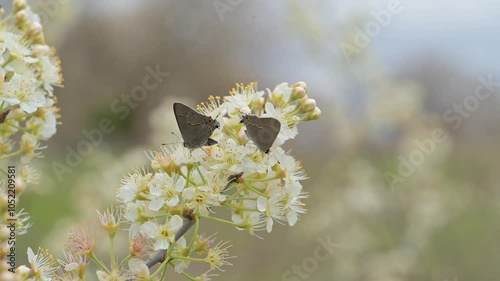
[(29, 70), (186, 186)]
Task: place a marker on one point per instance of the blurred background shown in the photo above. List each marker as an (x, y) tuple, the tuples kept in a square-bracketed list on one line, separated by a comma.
[(399, 203)]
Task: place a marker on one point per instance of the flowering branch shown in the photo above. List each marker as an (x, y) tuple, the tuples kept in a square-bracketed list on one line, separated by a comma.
[(29, 70), (232, 173)]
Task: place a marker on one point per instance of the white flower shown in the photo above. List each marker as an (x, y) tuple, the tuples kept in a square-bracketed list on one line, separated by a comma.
[(43, 264), (163, 235), (44, 123), (288, 121), (293, 204), (132, 185), (272, 208), (164, 190), (249, 220), (29, 146), (22, 90), (201, 198), (181, 155), (291, 167), (133, 210), (51, 70), (242, 96), (31, 16), (17, 46), (114, 275), (281, 92), (138, 269)]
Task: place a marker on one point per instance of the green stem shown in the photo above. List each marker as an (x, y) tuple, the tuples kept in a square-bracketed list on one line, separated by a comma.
[(10, 155), (189, 259), (188, 178), (98, 262), (17, 127), (230, 133), (9, 60), (260, 180), (188, 276), (195, 234), (199, 172), (254, 189), (4, 172), (124, 261), (221, 220), (112, 249), (161, 267), (240, 198), (164, 272), (156, 217), (240, 208)]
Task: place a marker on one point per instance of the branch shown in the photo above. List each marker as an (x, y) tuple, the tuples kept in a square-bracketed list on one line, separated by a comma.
[(159, 257)]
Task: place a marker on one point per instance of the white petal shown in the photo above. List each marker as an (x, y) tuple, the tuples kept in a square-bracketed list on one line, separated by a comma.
[(269, 226), (161, 244), (175, 222), (261, 204), (173, 202), (156, 204), (71, 266), (149, 229), (102, 276), (31, 255), (137, 265), (270, 108), (189, 193), (180, 184), (182, 242), (292, 218)]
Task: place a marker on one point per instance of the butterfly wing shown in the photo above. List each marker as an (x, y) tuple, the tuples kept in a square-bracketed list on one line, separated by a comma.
[(195, 128), (262, 131)]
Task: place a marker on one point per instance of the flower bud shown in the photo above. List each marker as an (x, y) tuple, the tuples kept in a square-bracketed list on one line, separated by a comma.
[(314, 115), (245, 110), (242, 135), (20, 186), (301, 84), (308, 106), (19, 5), (297, 93), (35, 29), (42, 50), (21, 16), (4, 234)]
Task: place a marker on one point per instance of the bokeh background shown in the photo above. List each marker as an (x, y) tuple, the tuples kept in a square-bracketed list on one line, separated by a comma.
[(424, 60)]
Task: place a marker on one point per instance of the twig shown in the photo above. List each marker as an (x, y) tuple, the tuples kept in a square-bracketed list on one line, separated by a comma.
[(159, 257)]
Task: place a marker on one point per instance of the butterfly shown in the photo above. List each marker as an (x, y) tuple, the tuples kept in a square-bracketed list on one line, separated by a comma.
[(195, 127), (262, 131)]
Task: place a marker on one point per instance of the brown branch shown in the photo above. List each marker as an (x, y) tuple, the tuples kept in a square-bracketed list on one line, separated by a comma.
[(159, 257)]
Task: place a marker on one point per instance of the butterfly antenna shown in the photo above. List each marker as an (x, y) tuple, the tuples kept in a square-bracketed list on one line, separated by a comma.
[(205, 151), (170, 143), (270, 152)]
